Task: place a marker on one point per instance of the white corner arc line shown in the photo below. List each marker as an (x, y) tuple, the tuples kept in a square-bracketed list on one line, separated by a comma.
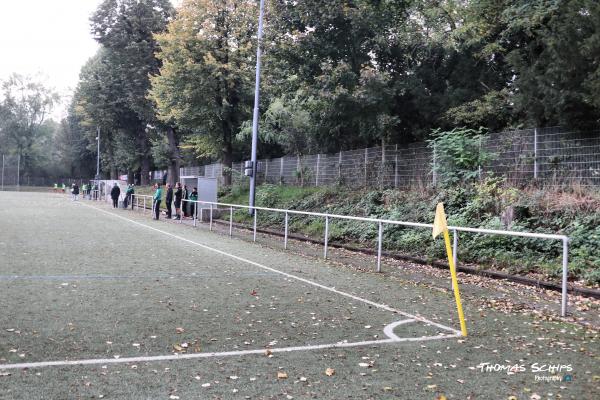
[(298, 278), (389, 329)]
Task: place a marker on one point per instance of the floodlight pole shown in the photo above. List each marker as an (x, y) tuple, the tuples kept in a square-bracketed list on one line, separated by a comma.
[(255, 115), (98, 158), (2, 172), (18, 172)]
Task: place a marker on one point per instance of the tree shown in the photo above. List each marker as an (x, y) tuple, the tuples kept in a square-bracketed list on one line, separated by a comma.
[(327, 55), (126, 29), (205, 82), (24, 107), (554, 52), (99, 102)]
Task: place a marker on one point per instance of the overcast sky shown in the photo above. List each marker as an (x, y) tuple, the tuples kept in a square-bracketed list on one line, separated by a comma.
[(50, 38)]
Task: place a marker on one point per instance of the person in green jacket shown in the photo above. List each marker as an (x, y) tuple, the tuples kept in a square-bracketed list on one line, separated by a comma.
[(157, 199), (129, 194)]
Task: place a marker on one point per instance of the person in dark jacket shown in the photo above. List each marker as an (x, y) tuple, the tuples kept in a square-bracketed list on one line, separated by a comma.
[(169, 200), (178, 196), (186, 204), (75, 191), (193, 197), (114, 195)]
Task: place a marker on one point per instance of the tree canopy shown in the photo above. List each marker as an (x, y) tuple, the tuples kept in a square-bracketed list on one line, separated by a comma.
[(338, 74)]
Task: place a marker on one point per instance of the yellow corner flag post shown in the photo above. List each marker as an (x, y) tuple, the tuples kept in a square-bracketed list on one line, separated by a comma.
[(441, 226)]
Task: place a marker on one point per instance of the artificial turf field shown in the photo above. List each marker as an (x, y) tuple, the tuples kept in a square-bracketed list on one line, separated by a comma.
[(103, 303)]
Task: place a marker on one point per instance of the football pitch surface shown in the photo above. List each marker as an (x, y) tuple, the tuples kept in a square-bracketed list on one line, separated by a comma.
[(103, 303)]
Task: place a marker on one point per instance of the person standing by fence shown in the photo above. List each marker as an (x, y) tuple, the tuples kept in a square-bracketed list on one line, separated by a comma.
[(114, 195), (156, 203), (193, 198), (185, 204), (169, 200), (178, 195), (131, 192), (75, 191), (127, 198)]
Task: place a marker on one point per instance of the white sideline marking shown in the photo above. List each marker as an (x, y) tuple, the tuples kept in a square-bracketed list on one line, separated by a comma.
[(388, 331), (298, 278)]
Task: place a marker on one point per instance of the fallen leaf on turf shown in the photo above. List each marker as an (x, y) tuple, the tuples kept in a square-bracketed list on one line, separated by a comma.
[(179, 330), (387, 389), (330, 372), (282, 375), (431, 387), (535, 396)]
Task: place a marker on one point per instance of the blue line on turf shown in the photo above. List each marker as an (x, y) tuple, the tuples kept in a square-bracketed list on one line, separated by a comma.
[(112, 277)]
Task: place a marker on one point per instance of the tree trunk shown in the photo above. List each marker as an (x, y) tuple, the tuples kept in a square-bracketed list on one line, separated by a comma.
[(144, 156), (227, 164), (227, 154), (145, 170), (174, 157), (130, 177)]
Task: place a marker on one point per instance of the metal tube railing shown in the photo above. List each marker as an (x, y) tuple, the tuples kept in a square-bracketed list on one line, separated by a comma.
[(326, 239), (382, 222)]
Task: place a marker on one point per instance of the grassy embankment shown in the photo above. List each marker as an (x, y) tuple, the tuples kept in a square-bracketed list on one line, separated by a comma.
[(491, 204)]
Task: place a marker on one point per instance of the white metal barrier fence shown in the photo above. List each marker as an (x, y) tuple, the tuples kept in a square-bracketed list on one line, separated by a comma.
[(144, 200), (381, 224)]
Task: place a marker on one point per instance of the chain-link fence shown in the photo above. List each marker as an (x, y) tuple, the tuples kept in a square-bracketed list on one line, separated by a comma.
[(10, 175), (13, 176), (549, 156)]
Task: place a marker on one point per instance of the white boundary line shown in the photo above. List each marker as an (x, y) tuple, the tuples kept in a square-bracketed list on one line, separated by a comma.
[(298, 278), (172, 357), (388, 330)]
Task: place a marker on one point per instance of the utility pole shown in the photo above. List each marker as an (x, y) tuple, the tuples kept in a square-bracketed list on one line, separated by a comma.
[(19, 172), (255, 116), (98, 159)]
